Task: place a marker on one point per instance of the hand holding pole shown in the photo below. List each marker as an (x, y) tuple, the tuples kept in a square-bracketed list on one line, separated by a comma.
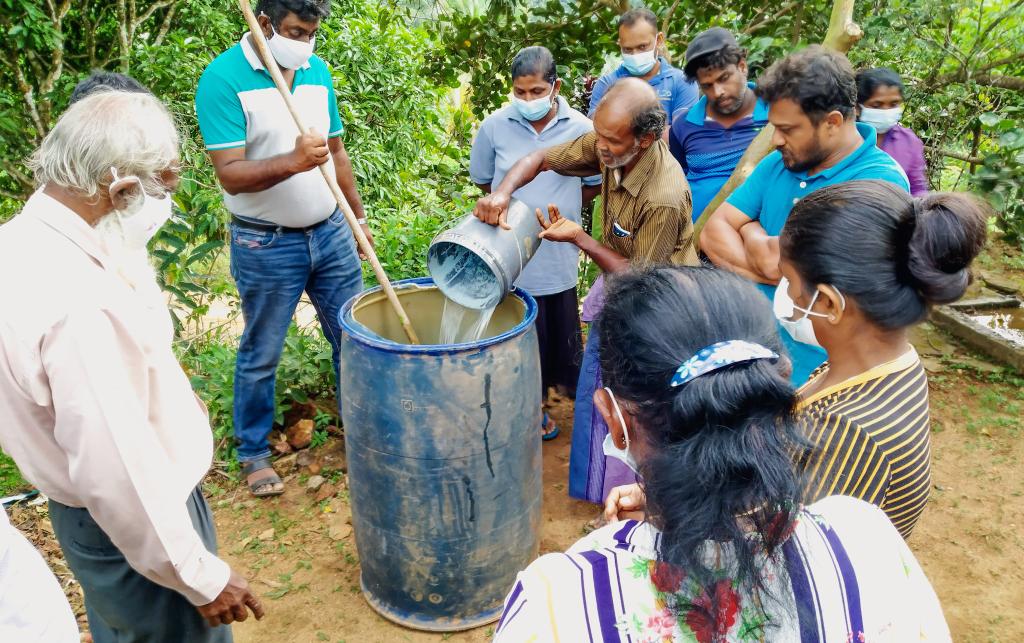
[(260, 41)]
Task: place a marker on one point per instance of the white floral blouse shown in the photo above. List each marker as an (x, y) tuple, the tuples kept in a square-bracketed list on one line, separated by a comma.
[(844, 575)]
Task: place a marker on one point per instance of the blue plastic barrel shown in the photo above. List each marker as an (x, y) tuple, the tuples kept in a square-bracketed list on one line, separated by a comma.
[(444, 458)]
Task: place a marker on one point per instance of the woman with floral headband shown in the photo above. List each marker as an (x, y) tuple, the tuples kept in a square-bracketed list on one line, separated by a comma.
[(699, 403)]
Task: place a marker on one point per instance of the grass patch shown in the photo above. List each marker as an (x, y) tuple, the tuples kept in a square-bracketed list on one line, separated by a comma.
[(11, 481)]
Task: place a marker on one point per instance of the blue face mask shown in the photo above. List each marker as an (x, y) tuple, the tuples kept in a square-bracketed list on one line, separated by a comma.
[(639, 64), (536, 109)]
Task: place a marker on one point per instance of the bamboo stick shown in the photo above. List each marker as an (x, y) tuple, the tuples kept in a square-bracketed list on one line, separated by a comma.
[(364, 244)]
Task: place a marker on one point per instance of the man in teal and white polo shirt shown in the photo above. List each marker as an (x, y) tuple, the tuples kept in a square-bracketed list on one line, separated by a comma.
[(287, 235)]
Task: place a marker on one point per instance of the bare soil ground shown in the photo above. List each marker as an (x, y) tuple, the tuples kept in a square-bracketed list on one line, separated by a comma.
[(968, 540), (300, 555)]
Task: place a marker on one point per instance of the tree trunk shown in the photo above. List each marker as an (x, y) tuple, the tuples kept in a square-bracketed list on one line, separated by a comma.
[(842, 33)]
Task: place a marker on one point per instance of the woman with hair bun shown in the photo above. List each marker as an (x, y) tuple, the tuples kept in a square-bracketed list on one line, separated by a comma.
[(699, 403), (863, 262)]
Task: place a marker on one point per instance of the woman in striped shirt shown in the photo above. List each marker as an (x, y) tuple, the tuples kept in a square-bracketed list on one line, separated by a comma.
[(699, 402), (864, 262)]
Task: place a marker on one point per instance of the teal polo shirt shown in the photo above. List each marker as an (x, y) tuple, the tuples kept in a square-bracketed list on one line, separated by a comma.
[(771, 191), (238, 106)]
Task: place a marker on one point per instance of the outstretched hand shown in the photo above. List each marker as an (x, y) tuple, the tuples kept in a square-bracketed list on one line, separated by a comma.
[(558, 228)]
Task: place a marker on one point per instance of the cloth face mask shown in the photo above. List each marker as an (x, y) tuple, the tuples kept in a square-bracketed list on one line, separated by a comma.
[(290, 54)]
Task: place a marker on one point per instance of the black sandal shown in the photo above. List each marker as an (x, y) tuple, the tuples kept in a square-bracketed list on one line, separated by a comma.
[(271, 480)]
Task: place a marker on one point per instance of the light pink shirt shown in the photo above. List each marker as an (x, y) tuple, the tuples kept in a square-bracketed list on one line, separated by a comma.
[(97, 412)]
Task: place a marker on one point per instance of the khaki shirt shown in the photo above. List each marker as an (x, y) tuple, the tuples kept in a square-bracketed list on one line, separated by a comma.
[(647, 214), (96, 410)]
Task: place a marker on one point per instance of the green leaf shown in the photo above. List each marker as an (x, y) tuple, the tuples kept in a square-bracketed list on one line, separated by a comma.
[(989, 119)]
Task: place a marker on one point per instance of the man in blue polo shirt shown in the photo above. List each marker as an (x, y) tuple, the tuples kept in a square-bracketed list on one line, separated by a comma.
[(811, 96), (709, 138), (287, 234), (640, 41)]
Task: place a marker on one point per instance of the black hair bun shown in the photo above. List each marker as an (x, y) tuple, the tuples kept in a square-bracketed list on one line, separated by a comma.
[(949, 233)]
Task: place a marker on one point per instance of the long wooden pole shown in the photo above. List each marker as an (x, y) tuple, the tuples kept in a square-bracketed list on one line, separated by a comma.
[(364, 244), (842, 33)]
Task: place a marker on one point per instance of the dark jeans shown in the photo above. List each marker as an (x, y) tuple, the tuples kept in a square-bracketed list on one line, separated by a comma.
[(124, 606), (559, 338), (272, 269)]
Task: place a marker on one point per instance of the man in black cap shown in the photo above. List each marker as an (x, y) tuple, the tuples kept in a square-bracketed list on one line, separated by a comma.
[(709, 138)]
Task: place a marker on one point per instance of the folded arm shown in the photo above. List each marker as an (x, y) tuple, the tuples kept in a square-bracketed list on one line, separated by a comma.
[(737, 243)]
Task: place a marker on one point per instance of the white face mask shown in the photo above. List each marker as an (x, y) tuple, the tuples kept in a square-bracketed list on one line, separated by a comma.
[(802, 330), (882, 120), (290, 54), (639, 64), (609, 448), (141, 221)]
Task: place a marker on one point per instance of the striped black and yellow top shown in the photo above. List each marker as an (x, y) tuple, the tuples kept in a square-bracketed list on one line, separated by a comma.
[(871, 439)]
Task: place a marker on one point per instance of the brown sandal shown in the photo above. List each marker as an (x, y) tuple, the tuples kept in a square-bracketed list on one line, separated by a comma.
[(268, 482)]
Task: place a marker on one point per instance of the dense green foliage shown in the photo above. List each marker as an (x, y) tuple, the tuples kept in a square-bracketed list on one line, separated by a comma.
[(413, 78), (961, 60)]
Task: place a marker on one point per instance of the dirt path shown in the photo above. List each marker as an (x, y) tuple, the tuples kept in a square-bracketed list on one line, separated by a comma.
[(316, 580), (300, 554), (968, 539)]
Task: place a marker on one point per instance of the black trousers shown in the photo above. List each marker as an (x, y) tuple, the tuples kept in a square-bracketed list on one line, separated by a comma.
[(558, 333), (124, 606)]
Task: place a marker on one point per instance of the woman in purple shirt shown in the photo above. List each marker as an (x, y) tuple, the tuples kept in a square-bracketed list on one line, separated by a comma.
[(880, 104)]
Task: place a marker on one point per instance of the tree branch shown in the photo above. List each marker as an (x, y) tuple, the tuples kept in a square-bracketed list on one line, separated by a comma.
[(122, 33), (28, 94), (12, 195), (767, 20), (985, 78), (57, 53), (1010, 11), (149, 12), (842, 32), (1009, 60), (166, 26), (15, 173), (960, 156), (667, 20)]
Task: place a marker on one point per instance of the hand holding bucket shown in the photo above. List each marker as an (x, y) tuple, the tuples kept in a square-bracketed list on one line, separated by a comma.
[(476, 263), (492, 209)]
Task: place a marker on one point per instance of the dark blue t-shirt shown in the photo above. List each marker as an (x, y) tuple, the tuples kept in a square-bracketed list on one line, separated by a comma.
[(673, 89), (708, 151)]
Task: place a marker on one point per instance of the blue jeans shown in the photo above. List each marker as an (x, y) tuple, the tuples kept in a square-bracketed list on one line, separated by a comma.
[(272, 269)]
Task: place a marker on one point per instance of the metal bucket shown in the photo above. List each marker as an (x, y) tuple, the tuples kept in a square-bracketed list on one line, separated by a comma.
[(444, 457), (476, 265)]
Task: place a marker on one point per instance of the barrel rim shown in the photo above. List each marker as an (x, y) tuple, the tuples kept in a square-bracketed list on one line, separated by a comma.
[(357, 331)]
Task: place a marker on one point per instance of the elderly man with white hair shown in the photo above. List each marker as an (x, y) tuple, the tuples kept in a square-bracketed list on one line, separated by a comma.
[(98, 413)]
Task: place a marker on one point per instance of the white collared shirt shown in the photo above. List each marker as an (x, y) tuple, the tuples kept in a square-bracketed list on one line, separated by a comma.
[(97, 412)]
